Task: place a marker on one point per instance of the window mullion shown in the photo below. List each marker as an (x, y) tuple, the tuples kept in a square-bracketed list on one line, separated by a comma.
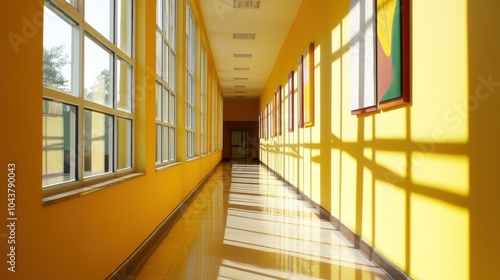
[(99, 108)]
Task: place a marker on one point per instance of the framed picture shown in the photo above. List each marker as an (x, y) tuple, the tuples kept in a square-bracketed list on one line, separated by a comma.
[(291, 104), (279, 110), (271, 119), (264, 123), (300, 92), (260, 125), (393, 53), (308, 83), (379, 55)]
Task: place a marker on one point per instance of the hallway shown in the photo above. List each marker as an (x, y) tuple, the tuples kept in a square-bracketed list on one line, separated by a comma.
[(245, 224)]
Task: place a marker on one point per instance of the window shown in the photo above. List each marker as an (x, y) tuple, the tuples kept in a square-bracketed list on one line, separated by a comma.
[(166, 21), (214, 114), (203, 98), (220, 123), (88, 93), (190, 86)]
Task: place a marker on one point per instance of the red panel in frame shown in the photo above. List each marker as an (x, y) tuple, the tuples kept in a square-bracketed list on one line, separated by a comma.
[(308, 84), (291, 102), (264, 123), (260, 125), (279, 110), (300, 93)]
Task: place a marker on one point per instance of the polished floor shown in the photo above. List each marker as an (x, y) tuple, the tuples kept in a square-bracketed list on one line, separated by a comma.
[(245, 224)]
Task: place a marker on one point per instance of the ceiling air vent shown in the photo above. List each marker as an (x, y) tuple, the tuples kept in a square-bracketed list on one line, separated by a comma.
[(241, 68), (245, 4), (242, 55), (240, 78), (239, 91), (244, 36), (240, 86)]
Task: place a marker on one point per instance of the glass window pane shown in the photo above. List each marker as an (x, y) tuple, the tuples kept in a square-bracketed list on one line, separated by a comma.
[(172, 23), (171, 109), (171, 144), (159, 13), (59, 163), (188, 144), (165, 105), (58, 60), (98, 13), (158, 101), (97, 80), (166, 61), (124, 149), (98, 143), (171, 70), (123, 86), (124, 27), (158, 143), (159, 54), (165, 144), (72, 2)]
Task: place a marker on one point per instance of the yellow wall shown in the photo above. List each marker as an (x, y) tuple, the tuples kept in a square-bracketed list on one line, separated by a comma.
[(241, 109), (90, 236), (417, 183)]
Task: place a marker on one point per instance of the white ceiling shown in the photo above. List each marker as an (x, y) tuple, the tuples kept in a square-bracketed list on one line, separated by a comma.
[(270, 22)]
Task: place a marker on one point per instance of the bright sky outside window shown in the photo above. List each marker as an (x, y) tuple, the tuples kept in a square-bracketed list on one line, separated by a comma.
[(58, 52)]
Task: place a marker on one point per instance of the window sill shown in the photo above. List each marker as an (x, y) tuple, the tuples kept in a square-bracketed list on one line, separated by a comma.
[(192, 158), (167, 166), (50, 200)]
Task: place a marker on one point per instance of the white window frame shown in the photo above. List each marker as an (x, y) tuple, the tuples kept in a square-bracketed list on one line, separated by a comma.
[(213, 108), (203, 102), (190, 84)]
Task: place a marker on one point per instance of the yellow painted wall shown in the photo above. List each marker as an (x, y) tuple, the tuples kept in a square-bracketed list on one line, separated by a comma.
[(90, 236), (246, 109), (420, 183)]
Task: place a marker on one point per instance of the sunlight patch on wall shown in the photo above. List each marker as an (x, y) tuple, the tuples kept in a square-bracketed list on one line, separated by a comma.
[(443, 253), (390, 229), (348, 190), (349, 132), (317, 92), (306, 166), (440, 71), (336, 182), (394, 163), (336, 97), (336, 39), (316, 175), (391, 125), (367, 222), (441, 171)]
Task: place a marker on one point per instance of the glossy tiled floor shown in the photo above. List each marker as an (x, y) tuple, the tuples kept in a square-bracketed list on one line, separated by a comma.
[(245, 224)]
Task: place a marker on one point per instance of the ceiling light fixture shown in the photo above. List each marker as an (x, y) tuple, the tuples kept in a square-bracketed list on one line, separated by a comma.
[(242, 55), (244, 36), (245, 4)]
